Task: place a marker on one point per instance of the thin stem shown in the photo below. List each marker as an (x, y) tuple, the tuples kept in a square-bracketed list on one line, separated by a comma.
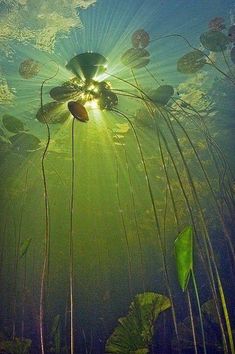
[(199, 311), (71, 268), (47, 224)]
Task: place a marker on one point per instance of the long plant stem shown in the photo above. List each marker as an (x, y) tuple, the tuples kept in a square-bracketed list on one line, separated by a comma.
[(71, 268), (47, 225), (192, 322), (199, 311)]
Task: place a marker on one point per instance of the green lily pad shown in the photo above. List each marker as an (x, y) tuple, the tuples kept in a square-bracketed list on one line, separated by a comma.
[(214, 41), (162, 94), (134, 332), (191, 62), (87, 65), (108, 100), (63, 93), (24, 142), (29, 68), (136, 58), (53, 113), (12, 124), (140, 38)]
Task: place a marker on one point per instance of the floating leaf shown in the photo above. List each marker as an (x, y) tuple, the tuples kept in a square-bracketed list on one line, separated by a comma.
[(25, 142), (29, 68), (108, 100), (191, 62), (135, 58), (184, 256), (24, 247), (64, 93), (87, 65), (162, 94), (12, 124), (140, 38), (134, 332), (215, 41), (53, 113), (78, 111), (217, 24)]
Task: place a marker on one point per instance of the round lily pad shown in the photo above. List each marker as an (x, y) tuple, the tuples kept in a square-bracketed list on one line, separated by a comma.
[(53, 113), (87, 65), (63, 93), (78, 111), (24, 142), (136, 58), (140, 38), (191, 62), (108, 100), (12, 124), (162, 94), (29, 68), (214, 41)]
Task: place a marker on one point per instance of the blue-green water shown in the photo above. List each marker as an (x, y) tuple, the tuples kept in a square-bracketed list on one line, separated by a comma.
[(90, 211)]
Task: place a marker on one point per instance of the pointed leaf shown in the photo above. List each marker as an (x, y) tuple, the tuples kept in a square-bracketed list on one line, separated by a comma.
[(184, 256)]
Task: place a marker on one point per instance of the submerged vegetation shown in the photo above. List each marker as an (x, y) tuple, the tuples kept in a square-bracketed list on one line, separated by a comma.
[(134, 197)]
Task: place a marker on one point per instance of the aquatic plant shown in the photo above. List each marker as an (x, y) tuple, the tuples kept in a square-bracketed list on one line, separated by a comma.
[(134, 332), (16, 346), (183, 174)]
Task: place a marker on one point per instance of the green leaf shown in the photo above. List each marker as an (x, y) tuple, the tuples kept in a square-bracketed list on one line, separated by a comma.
[(134, 332), (24, 247), (184, 256)]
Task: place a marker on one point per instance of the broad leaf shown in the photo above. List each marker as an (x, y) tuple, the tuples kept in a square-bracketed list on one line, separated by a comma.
[(134, 332)]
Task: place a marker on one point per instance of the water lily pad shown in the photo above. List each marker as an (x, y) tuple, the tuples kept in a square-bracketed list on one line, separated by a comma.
[(78, 111), (214, 41), (140, 38), (53, 113), (108, 100), (191, 62), (162, 94), (64, 93), (29, 68), (87, 65), (12, 124), (24, 142), (136, 58), (134, 332)]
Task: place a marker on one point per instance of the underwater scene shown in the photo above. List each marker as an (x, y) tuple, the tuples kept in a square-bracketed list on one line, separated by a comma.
[(117, 163)]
